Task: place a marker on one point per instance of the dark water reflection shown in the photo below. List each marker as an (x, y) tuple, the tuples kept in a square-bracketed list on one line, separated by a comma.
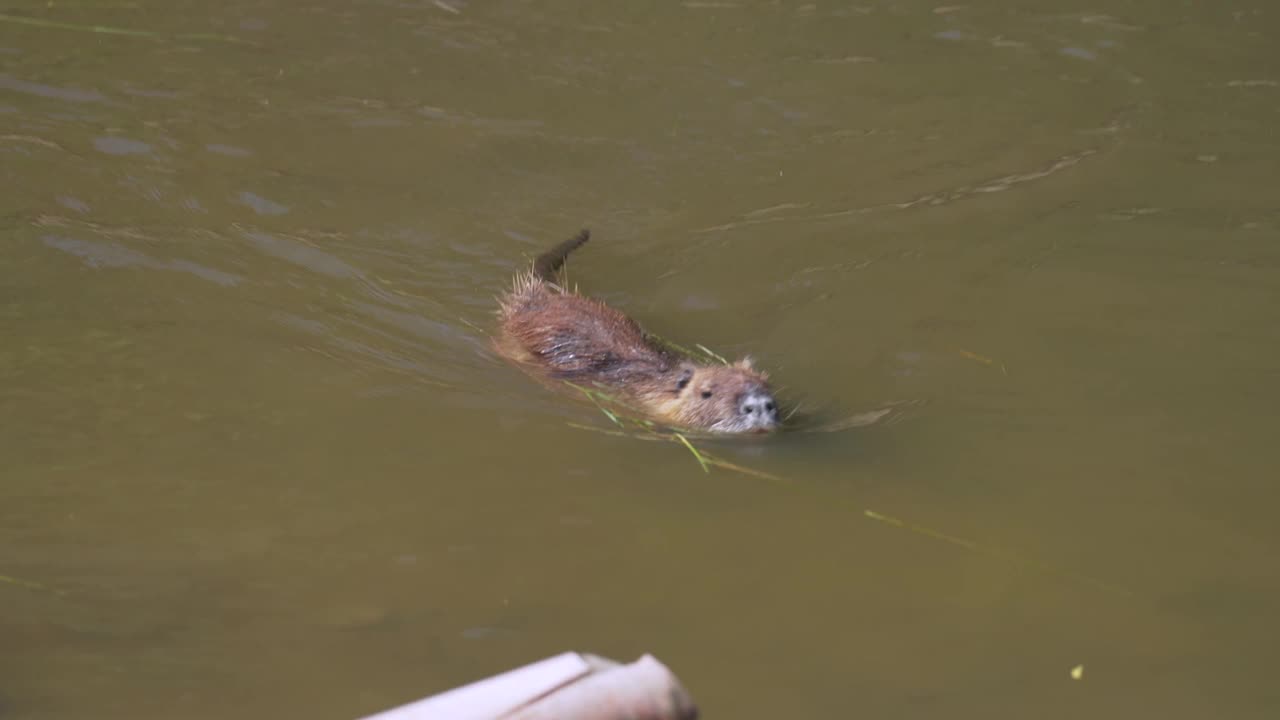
[(258, 457)]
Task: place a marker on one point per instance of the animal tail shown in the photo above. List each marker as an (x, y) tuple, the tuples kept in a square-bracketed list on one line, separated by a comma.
[(550, 262)]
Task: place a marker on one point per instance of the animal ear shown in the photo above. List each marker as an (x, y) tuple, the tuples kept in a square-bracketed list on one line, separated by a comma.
[(748, 364), (686, 376)]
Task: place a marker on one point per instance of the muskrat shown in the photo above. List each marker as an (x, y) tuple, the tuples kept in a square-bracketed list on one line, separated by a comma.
[(582, 340)]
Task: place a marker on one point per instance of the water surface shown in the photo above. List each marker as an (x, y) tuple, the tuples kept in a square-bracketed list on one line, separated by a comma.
[(258, 458)]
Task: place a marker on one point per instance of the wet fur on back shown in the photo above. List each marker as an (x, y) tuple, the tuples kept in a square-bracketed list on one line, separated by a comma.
[(576, 337), (570, 337)]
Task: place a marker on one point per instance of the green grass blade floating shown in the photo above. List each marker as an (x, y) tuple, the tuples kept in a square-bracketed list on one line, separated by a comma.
[(972, 546), (704, 353), (726, 465), (28, 584), (610, 415), (920, 530), (128, 32), (711, 354), (701, 460), (623, 433), (591, 395)]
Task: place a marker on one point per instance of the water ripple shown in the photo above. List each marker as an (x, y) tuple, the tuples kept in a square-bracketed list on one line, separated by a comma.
[(112, 255)]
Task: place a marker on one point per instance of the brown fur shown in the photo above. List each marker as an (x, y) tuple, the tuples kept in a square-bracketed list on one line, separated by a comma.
[(567, 336)]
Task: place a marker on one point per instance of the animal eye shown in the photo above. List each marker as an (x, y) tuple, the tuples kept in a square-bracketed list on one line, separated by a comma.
[(683, 383), (706, 394)]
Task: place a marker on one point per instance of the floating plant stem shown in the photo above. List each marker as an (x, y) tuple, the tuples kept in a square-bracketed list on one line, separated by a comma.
[(697, 455), (972, 546), (712, 354), (110, 30)]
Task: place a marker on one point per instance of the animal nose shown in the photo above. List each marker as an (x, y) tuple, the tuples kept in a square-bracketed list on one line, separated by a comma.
[(761, 408)]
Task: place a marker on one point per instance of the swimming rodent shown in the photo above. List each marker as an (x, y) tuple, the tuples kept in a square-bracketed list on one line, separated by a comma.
[(570, 337)]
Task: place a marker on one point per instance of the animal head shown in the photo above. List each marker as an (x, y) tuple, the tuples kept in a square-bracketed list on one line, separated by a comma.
[(724, 398)]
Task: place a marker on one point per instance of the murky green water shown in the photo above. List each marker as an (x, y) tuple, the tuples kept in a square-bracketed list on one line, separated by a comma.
[(258, 459)]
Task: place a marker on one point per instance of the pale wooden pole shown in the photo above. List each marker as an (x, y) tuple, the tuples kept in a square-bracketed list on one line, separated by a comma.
[(570, 686)]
